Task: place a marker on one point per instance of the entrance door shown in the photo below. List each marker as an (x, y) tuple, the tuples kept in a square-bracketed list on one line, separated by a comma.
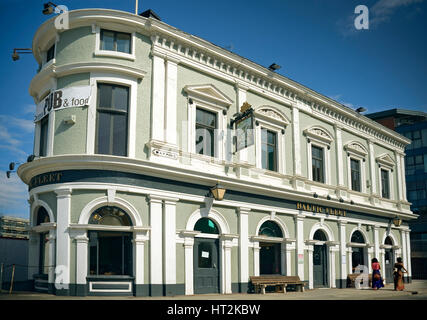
[(269, 258), (320, 266), (206, 265), (388, 268)]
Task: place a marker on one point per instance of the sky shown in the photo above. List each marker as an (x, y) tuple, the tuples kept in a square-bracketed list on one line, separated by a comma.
[(315, 42)]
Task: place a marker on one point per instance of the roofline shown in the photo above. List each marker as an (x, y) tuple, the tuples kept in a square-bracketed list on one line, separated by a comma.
[(151, 24)]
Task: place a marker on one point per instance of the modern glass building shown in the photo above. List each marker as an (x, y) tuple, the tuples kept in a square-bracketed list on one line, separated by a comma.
[(136, 136), (413, 125)]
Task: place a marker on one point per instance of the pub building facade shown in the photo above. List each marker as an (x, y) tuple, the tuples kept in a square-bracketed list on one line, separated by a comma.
[(141, 185)]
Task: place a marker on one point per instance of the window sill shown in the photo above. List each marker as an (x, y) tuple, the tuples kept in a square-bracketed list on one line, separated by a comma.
[(114, 54)]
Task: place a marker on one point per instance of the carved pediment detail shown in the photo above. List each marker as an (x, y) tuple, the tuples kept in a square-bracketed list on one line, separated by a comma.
[(209, 93), (357, 148), (318, 133)]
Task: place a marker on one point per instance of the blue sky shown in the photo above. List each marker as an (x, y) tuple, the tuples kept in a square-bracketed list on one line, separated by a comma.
[(314, 41)]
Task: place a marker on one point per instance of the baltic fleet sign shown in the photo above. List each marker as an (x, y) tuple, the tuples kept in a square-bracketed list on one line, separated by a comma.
[(320, 209), (63, 98)]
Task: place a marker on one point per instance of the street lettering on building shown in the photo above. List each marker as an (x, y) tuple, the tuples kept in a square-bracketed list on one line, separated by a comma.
[(320, 209), (47, 178)]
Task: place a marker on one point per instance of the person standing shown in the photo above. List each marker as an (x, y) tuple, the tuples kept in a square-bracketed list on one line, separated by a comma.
[(377, 280), (399, 269)]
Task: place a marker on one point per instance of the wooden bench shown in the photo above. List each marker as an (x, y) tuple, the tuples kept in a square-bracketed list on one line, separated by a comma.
[(351, 278), (261, 282)]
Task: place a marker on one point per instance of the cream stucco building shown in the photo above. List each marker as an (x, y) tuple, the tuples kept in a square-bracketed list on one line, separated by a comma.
[(135, 126)]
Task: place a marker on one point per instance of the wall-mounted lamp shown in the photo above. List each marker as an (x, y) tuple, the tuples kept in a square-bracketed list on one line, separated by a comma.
[(315, 195), (48, 8), (397, 222), (31, 158), (328, 197), (17, 51), (218, 192)]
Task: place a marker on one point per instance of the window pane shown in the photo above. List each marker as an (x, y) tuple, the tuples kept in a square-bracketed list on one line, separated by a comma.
[(107, 40), (120, 98), (206, 225), (385, 184), (272, 158), (123, 42), (43, 136), (317, 164), (103, 133), (120, 135), (271, 137), (50, 54), (105, 94)]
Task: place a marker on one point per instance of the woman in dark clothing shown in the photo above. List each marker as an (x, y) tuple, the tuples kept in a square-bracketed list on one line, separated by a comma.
[(398, 275), (377, 281)]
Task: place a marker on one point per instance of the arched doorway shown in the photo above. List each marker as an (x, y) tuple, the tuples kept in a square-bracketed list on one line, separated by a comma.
[(270, 252), (358, 253), (320, 260), (388, 258), (206, 257), (43, 217), (110, 251)]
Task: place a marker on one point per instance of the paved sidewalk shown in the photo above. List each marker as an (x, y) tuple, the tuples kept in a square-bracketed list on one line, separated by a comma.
[(417, 290)]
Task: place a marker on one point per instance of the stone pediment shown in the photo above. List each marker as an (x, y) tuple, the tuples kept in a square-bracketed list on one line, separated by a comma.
[(386, 160), (271, 114), (208, 93), (356, 148), (318, 133)]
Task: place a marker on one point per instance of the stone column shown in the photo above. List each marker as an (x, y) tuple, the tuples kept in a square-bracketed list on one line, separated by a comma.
[(350, 260), (169, 245), (188, 258), (158, 99), (82, 242), (171, 101), (372, 168), (140, 236), (310, 267), (343, 253), (227, 245), (243, 248), (52, 254), (299, 226), (62, 280), (408, 252), (156, 246), (296, 142), (256, 258)]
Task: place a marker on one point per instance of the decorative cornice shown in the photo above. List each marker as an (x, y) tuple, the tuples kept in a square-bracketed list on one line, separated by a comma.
[(318, 133), (356, 148)]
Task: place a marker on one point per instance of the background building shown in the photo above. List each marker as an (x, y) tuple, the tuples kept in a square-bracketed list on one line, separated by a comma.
[(136, 131), (14, 250), (413, 125)]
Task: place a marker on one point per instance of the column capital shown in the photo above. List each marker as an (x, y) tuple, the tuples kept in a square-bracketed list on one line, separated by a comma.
[(63, 193), (243, 210)]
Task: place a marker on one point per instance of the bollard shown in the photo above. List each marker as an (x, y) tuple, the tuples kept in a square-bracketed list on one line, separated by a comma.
[(11, 282)]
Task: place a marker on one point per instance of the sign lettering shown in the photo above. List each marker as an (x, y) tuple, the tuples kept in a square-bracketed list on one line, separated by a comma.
[(320, 209), (63, 98)]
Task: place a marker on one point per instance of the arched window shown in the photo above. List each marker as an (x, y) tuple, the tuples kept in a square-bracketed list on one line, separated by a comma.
[(110, 216), (270, 229), (319, 235), (357, 237), (42, 216), (206, 225), (388, 241), (110, 251)]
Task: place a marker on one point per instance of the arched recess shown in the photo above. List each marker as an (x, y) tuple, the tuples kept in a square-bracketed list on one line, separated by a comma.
[(279, 222), (359, 249), (103, 201), (321, 256), (35, 206), (390, 250), (212, 214), (196, 251)]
